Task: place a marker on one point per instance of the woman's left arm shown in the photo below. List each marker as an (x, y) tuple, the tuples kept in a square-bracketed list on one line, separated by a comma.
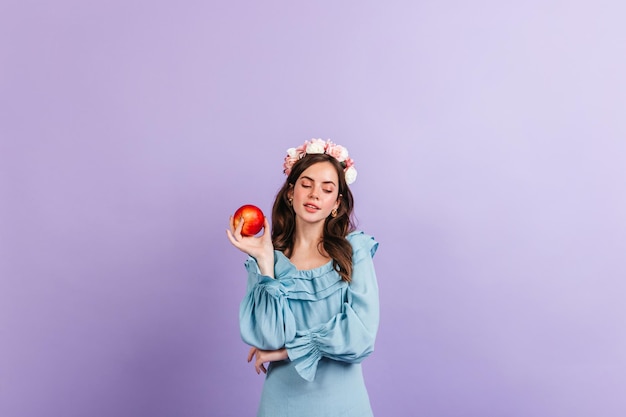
[(350, 335), (263, 356)]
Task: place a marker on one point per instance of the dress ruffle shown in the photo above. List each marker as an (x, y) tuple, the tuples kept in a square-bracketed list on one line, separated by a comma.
[(304, 351), (311, 284), (267, 321), (362, 242)]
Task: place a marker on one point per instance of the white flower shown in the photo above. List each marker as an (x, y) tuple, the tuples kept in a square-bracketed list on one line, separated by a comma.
[(316, 146), (350, 175), (292, 152)]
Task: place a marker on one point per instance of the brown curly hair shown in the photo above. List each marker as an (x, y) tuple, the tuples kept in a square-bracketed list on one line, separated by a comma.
[(336, 229)]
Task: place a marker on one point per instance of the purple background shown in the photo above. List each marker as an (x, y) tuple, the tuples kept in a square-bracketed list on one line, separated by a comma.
[(490, 143)]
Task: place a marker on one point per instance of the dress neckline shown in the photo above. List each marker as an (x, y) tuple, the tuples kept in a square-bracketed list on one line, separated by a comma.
[(323, 266)]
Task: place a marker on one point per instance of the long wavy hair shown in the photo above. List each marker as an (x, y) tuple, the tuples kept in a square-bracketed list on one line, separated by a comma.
[(334, 241)]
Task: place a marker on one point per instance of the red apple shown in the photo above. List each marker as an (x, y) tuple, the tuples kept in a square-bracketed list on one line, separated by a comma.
[(253, 219)]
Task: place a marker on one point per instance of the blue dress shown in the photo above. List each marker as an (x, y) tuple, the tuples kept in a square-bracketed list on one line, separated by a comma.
[(328, 327)]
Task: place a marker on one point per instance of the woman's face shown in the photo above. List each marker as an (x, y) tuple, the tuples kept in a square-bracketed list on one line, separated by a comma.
[(315, 193)]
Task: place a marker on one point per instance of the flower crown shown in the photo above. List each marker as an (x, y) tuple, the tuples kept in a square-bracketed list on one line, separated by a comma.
[(320, 146)]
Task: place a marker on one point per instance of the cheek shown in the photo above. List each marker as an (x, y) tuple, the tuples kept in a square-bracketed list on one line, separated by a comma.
[(331, 200), (299, 194)]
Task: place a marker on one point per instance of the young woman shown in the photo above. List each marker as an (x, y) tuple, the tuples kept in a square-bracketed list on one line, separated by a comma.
[(311, 306)]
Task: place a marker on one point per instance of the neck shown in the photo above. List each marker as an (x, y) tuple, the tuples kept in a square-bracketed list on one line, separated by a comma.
[(308, 235)]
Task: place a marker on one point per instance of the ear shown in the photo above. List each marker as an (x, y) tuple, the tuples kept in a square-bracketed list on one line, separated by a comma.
[(290, 192), (338, 201)]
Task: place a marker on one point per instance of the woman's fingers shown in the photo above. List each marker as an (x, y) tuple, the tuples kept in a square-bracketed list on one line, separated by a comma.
[(258, 363), (262, 368), (266, 235), (234, 234), (236, 230), (266, 229), (233, 240), (239, 227), (251, 353)]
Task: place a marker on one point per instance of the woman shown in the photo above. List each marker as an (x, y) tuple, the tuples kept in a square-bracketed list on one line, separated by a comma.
[(311, 306)]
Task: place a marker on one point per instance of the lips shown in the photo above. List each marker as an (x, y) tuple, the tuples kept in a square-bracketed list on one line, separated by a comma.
[(311, 206)]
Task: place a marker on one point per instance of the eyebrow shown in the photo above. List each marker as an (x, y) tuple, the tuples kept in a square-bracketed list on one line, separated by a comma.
[(304, 177)]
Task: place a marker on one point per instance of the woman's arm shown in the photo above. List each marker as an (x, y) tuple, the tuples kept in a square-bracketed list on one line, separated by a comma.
[(264, 356), (265, 319), (350, 335)]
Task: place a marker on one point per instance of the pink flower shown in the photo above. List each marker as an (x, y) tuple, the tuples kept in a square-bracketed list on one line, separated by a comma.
[(337, 151), (288, 164), (301, 150)]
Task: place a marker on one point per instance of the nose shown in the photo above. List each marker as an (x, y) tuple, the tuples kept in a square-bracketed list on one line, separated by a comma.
[(313, 193)]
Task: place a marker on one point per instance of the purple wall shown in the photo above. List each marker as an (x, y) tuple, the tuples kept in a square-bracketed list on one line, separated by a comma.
[(490, 143)]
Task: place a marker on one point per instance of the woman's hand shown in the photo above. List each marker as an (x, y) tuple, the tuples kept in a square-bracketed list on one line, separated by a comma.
[(263, 356), (260, 248)]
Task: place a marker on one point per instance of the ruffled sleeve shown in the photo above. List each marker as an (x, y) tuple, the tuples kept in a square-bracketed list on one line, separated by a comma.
[(349, 336), (265, 320)]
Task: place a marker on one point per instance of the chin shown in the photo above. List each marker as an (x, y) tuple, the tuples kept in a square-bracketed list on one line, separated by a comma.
[(311, 217)]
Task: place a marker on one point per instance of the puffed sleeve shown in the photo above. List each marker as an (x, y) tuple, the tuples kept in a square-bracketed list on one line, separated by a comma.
[(350, 335), (265, 320)]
